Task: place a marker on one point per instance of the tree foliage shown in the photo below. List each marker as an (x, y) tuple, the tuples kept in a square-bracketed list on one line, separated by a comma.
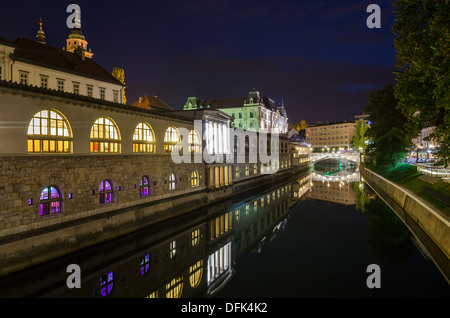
[(360, 137), (422, 44), (389, 141)]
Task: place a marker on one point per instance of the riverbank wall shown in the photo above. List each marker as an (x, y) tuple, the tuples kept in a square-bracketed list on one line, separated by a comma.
[(33, 246), (430, 226)]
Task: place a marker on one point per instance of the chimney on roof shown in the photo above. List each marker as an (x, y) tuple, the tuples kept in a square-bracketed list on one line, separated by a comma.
[(80, 52)]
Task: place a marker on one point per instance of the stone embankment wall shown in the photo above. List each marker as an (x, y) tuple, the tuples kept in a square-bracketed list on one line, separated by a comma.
[(428, 224)]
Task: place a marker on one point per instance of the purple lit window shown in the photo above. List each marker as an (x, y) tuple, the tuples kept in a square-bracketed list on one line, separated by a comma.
[(144, 186), (145, 264), (106, 283), (105, 192), (51, 201)]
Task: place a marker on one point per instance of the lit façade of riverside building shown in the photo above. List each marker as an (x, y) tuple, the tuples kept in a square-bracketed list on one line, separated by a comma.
[(80, 166)]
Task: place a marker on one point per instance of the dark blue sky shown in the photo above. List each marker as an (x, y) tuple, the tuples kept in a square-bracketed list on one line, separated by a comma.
[(319, 57)]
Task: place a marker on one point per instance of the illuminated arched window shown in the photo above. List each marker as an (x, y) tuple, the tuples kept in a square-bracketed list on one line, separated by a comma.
[(105, 192), (237, 172), (247, 170), (105, 136), (144, 186), (106, 283), (195, 237), (195, 274), (143, 138), (49, 131), (195, 182), (171, 138), (194, 141), (145, 264), (255, 169), (174, 288), (50, 201), (173, 184)]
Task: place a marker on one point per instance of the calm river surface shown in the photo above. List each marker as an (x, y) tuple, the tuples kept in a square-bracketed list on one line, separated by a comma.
[(308, 238)]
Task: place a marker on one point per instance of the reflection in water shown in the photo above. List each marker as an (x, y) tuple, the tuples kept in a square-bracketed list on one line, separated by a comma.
[(388, 237), (191, 256), (196, 255), (335, 167)]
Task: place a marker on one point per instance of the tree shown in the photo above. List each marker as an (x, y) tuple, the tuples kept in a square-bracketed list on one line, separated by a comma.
[(391, 147), (360, 137), (301, 125), (422, 43), (383, 112), (387, 128)]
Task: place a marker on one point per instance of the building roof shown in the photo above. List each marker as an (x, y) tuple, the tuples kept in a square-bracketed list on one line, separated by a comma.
[(36, 53), (222, 102), (5, 41), (153, 103)]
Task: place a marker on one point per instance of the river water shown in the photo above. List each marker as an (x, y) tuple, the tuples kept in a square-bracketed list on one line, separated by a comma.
[(312, 237)]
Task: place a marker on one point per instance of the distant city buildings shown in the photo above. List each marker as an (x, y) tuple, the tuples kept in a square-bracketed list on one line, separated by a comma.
[(252, 112), (328, 137)]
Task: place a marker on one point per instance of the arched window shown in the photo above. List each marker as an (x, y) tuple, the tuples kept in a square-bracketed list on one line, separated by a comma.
[(173, 183), (174, 288), (195, 182), (105, 192), (237, 172), (194, 142), (106, 283), (247, 170), (145, 264), (171, 138), (49, 131), (195, 237), (195, 274), (51, 201), (105, 136), (143, 138), (144, 186)]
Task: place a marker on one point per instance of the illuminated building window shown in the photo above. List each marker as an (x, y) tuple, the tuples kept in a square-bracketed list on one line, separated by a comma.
[(174, 288), (105, 192), (171, 138), (173, 249), (105, 137), (195, 237), (143, 138), (173, 184), (255, 169), (144, 186), (195, 182), (49, 131), (153, 295), (106, 283), (194, 142), (51, 201), (247, 170), (237, 172), (145, 264), (195, 274)]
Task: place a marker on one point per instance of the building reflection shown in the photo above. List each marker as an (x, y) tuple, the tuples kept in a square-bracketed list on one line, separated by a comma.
[(334, 189), (191, 256)]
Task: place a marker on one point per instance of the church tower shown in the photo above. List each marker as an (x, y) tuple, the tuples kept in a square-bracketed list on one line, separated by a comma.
[(76, 41), (40, 34)]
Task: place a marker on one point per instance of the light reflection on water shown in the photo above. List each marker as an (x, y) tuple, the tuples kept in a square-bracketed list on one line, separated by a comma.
[(311, 237)]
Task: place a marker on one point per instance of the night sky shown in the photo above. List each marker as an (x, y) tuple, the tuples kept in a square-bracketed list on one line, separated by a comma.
[(319, 57)]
